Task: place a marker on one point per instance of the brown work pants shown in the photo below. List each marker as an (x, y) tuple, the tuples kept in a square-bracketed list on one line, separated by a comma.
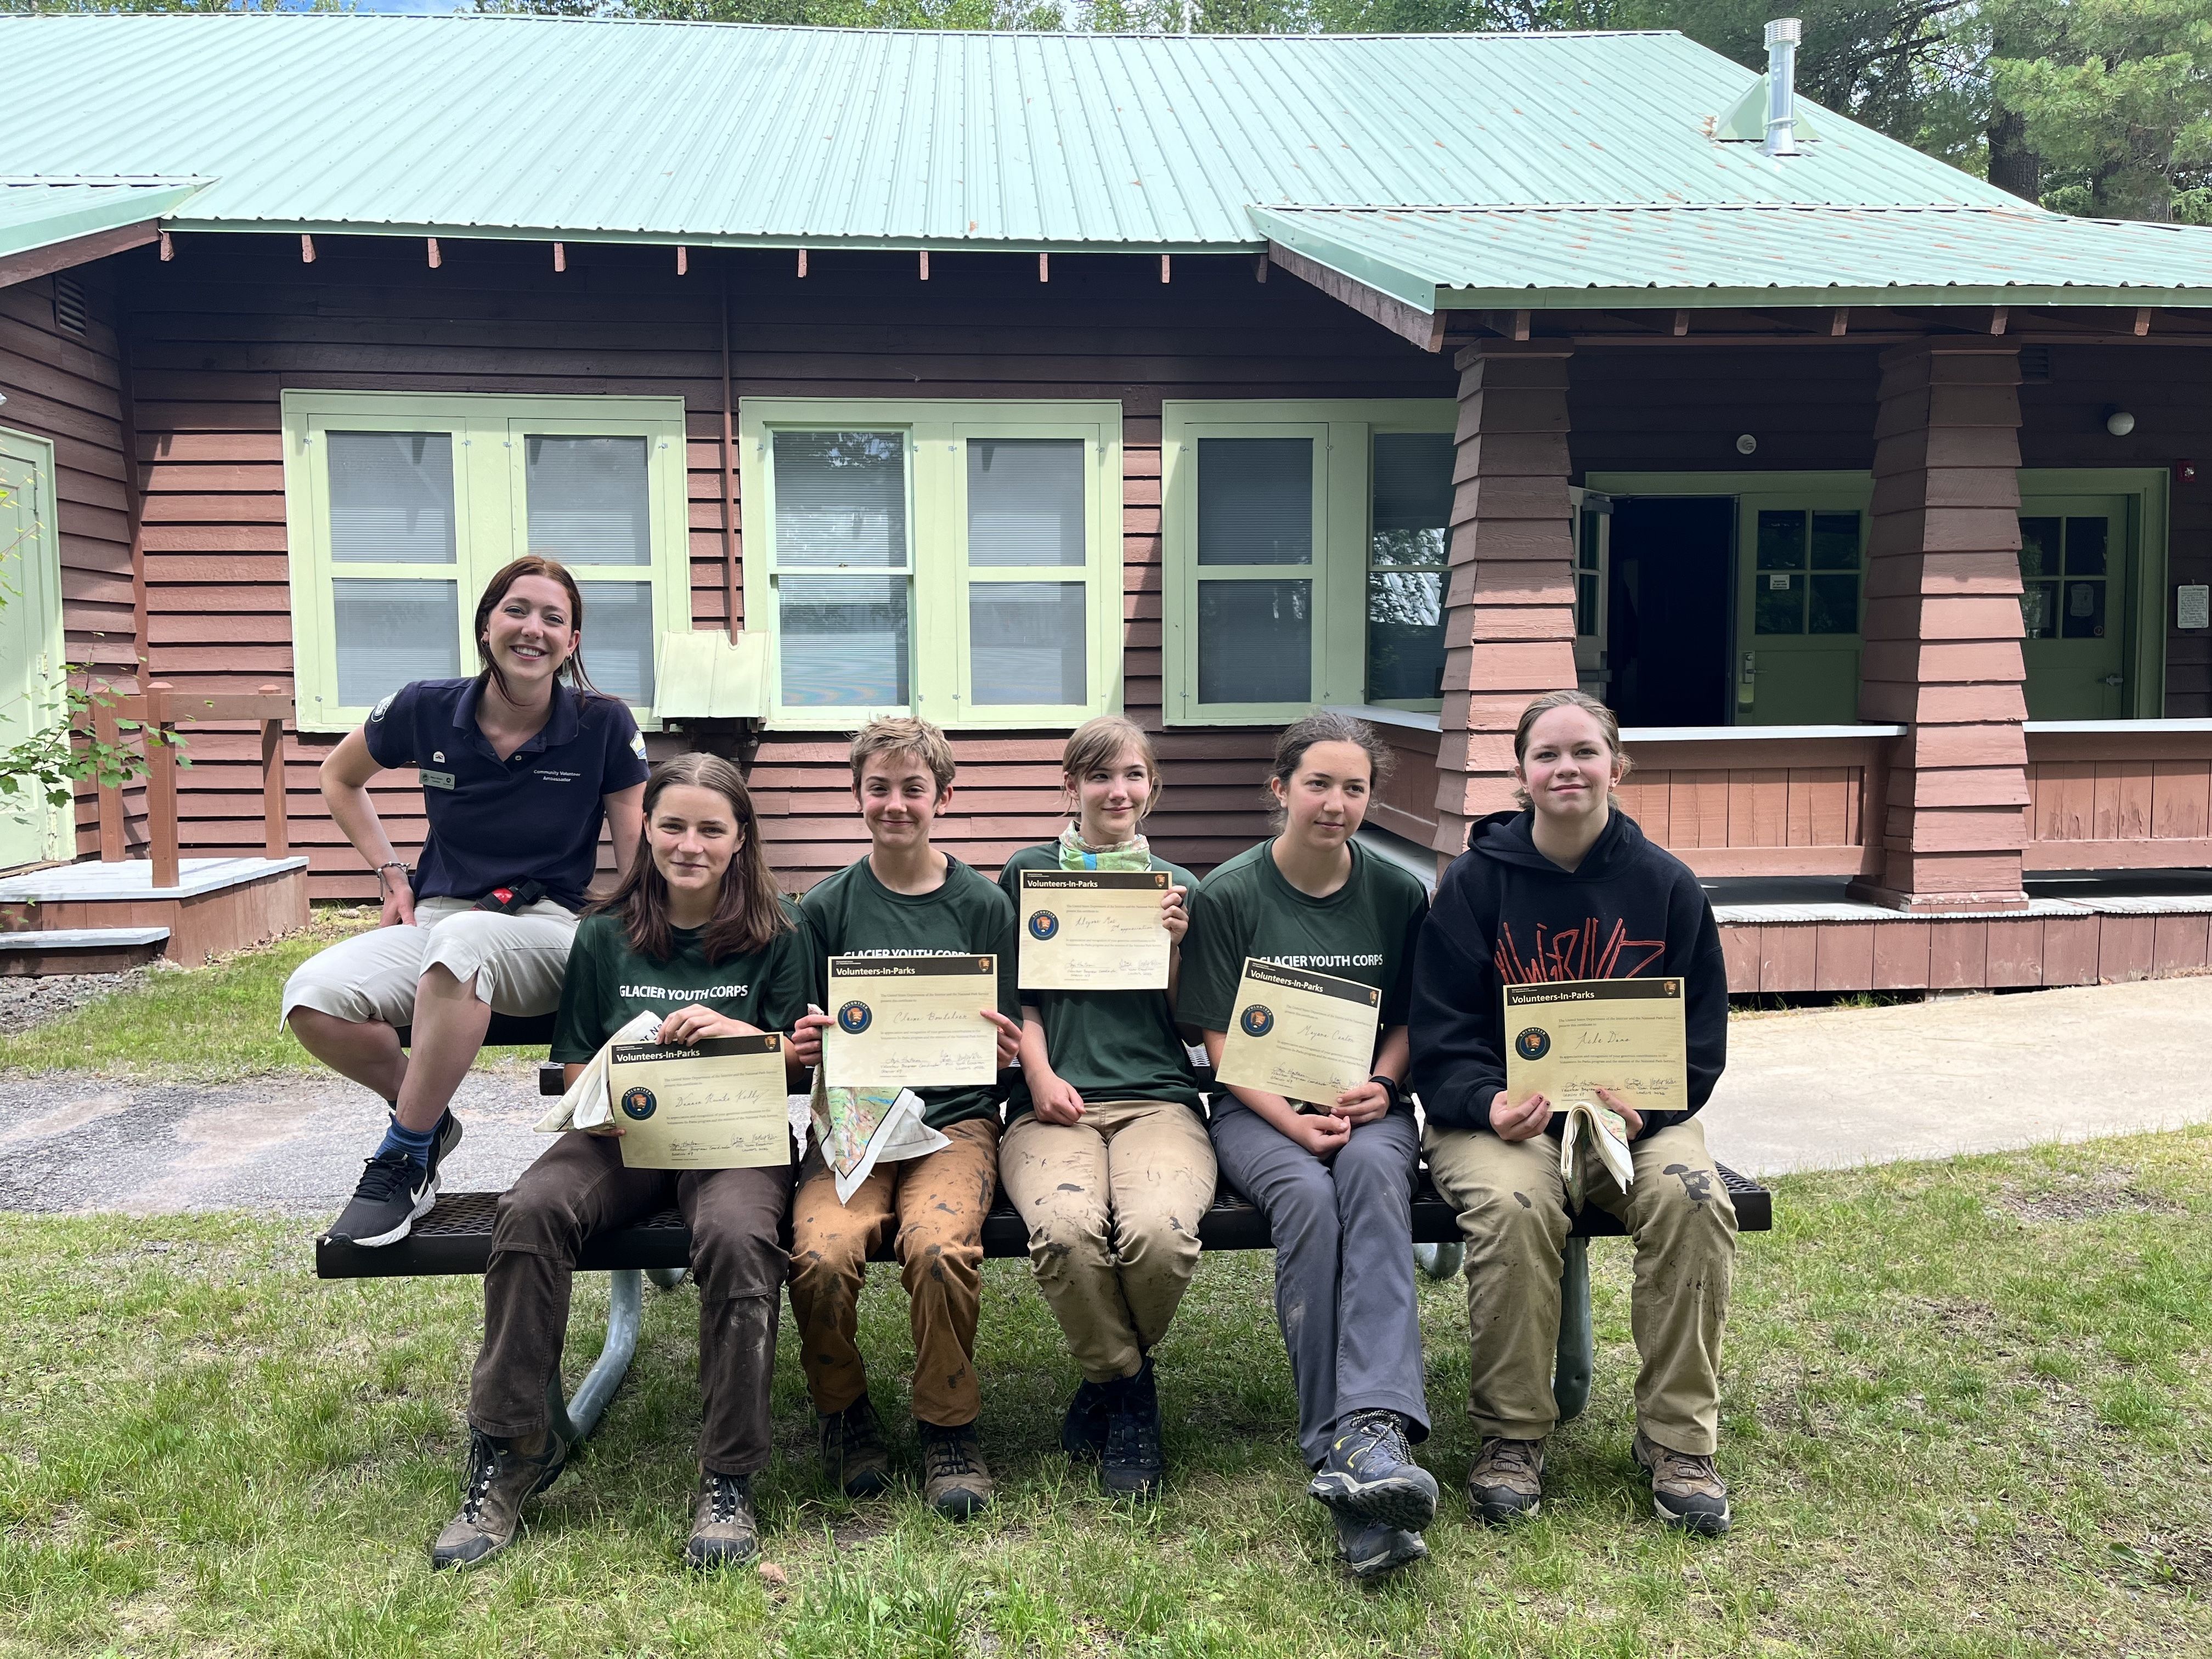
[(579, 1188), (938, 1203)]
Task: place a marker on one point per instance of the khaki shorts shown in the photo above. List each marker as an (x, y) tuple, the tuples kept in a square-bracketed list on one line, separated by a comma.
[(517, 961)]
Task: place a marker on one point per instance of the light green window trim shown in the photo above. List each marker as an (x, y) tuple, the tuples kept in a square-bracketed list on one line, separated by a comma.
[(416, 564), (991, 611), (1200, 597), (34, 649)]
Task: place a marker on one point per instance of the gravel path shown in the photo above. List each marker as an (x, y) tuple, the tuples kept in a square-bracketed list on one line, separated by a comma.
[(26, 1000)]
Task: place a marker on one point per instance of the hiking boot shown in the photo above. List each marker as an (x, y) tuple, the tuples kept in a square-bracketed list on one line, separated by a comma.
[(1082, 1431), (954, 1480), (853, 1454), (1686, 1491), (1370, 1473), (501, 1474), (1133, 1464), (1372, 1549), (1507, 1480), (725, 1530)]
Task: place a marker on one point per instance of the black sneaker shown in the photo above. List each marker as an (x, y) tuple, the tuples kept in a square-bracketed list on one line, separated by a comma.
[(853, 1455), (449, 1137), (1134, 1464), (393, 1190), (1371, 1549), (1082, 1431), (1370, 1473), (499, 1478), (724, 1529)]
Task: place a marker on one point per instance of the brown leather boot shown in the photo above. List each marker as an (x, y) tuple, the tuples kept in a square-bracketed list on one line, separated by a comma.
[(500, 1475), (725, 1530), (954, 1481)]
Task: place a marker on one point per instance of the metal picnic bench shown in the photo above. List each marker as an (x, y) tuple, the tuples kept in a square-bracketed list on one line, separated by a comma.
[(455, 1238)]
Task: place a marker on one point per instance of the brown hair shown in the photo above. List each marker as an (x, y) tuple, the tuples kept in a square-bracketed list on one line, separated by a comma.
[(1327, 725), (749, 914), (533, 564), (1597, 711), (901, 735), (1100, 742)]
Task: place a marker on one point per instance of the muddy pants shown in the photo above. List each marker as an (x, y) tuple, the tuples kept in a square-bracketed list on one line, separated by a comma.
[(938, 1203), (1344, 1263), (1513, 1210), (579, 1188), (1112, 1203)]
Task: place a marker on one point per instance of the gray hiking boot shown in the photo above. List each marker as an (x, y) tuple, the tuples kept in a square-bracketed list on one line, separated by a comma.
[(1686, 1491), (725, 1530), (955, 1480), (1370, 1473), (1371, 1549), (1507, 1480), (853, 1455), (500, 1475)]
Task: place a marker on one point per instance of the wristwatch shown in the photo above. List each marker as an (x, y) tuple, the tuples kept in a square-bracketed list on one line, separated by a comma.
[(1390, 1084)]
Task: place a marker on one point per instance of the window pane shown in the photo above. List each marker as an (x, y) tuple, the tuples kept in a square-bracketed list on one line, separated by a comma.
[(618, 639), (392, 498), (2085, 611), (1586, 548), (1405, 634), (1780, 602), (2085, 546), (1025, 501), (391, 632), (1835, 605), (843, 641), (1255, 500), (1835, 542), (1255, 641), (1782, 541), (1412, 499), (2039, 605), (2039, 547), (840, 502), (1586, 606), (587, 499), (1025, 642)]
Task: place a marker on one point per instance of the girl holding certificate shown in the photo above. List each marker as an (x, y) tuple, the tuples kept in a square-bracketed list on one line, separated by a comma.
[(696, 934), (1567, 888), (1335, 1177), (1105, 1153)]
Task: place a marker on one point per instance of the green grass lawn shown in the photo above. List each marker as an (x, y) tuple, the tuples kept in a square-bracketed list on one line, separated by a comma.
[(1967, 1409)]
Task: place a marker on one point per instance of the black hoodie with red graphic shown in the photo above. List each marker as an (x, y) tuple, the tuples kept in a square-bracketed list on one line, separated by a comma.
[(1505, 915)]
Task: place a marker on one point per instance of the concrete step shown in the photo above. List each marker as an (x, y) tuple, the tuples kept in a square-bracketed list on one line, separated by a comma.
[(81, 950)]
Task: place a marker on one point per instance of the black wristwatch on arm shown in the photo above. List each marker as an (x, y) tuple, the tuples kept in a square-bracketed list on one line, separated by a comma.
[(1391, 1086)]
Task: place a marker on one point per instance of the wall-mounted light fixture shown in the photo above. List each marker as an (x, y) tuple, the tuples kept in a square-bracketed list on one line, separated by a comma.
[(2118, 422)]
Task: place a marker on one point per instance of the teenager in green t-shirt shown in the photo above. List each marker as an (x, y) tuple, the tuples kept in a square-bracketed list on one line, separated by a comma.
[(1334, 1177), (905, 898), (697, 934), (1106, 1153)]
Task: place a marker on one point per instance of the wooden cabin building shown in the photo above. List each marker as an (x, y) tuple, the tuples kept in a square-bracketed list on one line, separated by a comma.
[(1010, 379)]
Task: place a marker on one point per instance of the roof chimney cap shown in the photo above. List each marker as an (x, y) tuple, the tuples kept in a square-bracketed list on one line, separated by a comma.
[(1784, 31), (1782, 34)]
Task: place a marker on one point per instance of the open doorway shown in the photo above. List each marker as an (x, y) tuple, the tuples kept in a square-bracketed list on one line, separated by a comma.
[(1667, 639)]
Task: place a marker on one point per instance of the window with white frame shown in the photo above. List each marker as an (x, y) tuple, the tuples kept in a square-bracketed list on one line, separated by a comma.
[(1305, 555), (401, 506), (955, 559)]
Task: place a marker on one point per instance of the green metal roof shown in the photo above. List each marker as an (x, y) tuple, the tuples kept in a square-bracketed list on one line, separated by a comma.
[(1749, 254), (36, 213), (595, 128)]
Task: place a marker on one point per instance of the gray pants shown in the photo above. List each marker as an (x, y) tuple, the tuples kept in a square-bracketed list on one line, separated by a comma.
[(1344, 1264)]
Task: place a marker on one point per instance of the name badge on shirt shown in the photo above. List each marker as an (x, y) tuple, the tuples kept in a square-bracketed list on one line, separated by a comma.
[(435, 780)]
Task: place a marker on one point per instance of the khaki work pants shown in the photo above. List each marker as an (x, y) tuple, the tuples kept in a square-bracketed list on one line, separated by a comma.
[(1513, 1211), (1112, 1203), (938, 1203)]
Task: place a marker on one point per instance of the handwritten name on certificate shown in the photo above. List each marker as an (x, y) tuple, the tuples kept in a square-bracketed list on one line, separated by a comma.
[(721, 1104), (1568, 1039), (911, 1022), (1304, 1036), (1094, 930)]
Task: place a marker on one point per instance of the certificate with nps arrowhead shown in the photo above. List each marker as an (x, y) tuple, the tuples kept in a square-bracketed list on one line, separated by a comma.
[(1094, 930), (1304, 1035), (911, 1022), (1568, 1039), (721, 1104)]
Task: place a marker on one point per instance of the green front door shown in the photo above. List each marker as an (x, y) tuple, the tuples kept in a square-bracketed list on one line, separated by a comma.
[(1800, 559), (30, 638), (2075, 576)]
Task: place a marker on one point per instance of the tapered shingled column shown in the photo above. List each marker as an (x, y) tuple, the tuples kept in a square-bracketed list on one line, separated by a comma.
[(1509, 604), (1943, 629)]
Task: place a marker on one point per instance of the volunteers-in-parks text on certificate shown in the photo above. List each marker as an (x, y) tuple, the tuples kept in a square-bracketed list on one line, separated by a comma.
[(1304, 1035), (721, 1104), (1094, 930), (1570, 1038), (911, 1022)]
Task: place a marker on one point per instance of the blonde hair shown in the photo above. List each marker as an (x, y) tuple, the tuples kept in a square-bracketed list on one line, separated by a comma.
[(1597, 711), (903, 735), (1101, 742)]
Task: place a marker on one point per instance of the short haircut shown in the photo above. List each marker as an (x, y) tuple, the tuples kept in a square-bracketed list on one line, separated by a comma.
[(903, 735), (1100, 742)]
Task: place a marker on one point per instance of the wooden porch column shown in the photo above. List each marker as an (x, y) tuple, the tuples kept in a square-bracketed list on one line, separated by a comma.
[(1943, 627), (1509, 604)]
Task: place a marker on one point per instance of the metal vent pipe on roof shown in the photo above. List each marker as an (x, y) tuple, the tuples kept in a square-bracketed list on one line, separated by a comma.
[(1782, 34)]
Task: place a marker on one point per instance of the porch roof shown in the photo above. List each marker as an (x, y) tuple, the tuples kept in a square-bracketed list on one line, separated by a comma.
[(38, 213)]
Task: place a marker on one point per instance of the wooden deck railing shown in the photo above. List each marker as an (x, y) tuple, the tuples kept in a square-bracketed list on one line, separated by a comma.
[(2119, 794), (163, 708)]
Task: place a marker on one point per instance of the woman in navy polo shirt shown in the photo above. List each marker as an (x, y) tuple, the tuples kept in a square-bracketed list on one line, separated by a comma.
[(519, 766)]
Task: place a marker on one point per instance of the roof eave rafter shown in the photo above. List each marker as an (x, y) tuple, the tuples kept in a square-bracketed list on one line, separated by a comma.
[(76, 251)]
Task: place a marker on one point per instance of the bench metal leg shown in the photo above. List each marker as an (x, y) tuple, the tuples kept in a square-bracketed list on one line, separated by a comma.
[(668, 1279), (1439, 1261), (1570, 1379), (577, 1417)]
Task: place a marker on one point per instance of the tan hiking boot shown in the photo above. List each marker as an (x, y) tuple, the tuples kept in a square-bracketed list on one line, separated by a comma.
[(954, 1481), (500, 1475), (1686, 1490), (1507, 1480), (853, 1455), (725, 1530)]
